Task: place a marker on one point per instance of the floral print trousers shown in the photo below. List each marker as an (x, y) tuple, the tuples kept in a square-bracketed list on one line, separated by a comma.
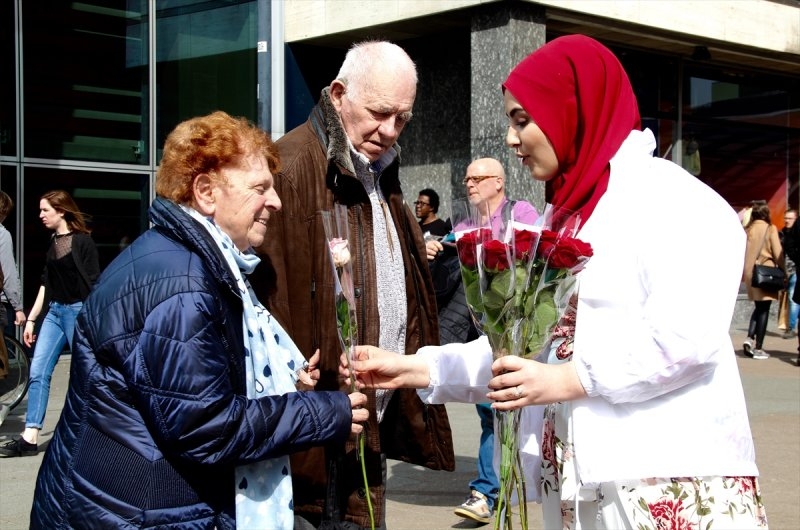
[(693, 503), (688, 503)]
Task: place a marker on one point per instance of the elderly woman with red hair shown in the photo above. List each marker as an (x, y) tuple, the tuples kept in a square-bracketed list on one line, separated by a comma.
[(182, 405)]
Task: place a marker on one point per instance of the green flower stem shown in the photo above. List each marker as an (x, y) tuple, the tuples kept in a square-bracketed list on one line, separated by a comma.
[(511, 475), (337, 234), (344, 321), (366, 484)]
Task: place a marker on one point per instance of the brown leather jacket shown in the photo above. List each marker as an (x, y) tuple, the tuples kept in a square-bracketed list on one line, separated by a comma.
[(316, 172)]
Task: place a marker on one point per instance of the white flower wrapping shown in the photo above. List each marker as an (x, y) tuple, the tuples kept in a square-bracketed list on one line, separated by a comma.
[(340, 252)]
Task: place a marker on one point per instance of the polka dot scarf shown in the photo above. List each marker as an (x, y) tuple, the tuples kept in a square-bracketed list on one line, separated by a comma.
[(263, 489)]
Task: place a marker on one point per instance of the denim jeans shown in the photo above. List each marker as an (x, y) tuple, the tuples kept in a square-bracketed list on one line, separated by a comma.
[(794, 309), (486, 482), (56, 330)]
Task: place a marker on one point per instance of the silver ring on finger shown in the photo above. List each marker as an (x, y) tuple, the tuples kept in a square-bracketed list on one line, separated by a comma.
[(517, 392)]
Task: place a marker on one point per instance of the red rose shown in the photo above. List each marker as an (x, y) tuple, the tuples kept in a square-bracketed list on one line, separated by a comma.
[(569, 252), (495, 255), (547, 241), (466, 250), (524, 241), (467, 245)]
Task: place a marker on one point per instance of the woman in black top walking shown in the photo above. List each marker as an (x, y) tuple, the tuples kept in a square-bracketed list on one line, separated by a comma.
[(71, 269)]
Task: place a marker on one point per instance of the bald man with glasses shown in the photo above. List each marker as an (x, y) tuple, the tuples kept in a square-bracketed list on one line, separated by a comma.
[(485, 182)]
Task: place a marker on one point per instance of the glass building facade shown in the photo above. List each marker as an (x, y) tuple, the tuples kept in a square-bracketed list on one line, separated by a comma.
[(90, 89), (89, 92)]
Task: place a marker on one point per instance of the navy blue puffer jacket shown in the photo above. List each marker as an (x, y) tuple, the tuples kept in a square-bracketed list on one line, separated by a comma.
[(156, 417)]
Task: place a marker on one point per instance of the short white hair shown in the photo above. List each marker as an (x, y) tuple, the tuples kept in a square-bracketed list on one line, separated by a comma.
[(364, 57)]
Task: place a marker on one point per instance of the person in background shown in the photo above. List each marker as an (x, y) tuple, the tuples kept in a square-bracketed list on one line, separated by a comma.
[(3, 349), (485, 187), (71, 269), (486, 182), (347, 153), (426, 207), (763, 247), (635, 360), (791, 248), (183, 402), (789, 218), (10, 296)]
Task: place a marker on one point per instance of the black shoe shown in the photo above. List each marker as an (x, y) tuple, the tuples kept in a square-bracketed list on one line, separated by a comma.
[(18, 447)]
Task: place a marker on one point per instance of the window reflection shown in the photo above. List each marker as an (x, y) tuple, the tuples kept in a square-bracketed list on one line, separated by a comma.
[(737, 132), (205, 61), (8, 84), (91, 102), (736, 138)]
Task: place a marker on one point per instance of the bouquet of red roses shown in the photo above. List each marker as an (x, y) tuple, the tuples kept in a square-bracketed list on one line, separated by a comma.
[(518, 282)]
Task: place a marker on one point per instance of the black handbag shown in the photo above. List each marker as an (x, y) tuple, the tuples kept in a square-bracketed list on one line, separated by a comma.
[(767, 277)]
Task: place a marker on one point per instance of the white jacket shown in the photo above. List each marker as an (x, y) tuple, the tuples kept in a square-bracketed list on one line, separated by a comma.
[(652, 347)]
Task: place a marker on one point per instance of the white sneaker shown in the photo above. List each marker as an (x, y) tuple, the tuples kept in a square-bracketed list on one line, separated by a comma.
[(475, 508), (747, 346), (760, 354)]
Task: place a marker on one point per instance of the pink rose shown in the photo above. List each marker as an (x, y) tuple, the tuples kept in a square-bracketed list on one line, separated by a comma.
[(339, 251)]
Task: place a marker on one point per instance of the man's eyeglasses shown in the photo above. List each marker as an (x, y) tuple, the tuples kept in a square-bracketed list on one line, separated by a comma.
[(420, 203), (477, 179)]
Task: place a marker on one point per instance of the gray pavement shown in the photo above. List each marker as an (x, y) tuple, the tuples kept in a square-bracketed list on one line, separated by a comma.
[(420, 499)]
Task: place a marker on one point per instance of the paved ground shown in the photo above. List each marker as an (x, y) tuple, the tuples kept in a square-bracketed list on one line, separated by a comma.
[(420, 499)]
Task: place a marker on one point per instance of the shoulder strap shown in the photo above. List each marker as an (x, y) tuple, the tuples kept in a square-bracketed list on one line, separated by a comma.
[(506, 212), (763, 242)]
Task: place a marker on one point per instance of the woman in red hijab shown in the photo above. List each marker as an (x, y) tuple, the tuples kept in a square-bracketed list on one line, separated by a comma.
[(645, 422), (644, 417), (577, 93)]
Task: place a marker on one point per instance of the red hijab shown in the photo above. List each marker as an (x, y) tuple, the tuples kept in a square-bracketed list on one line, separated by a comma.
[(577, 92)]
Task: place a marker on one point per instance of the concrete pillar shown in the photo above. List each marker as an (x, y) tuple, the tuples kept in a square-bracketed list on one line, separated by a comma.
[(435, 144), (500, 38)]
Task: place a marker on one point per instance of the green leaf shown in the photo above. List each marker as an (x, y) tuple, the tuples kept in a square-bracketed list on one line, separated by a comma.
[(493, 303), (472, 292), (520, 286), (500, 285)]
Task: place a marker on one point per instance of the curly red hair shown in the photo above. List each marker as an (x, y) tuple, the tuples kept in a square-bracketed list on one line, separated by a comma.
[(204, 145)]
